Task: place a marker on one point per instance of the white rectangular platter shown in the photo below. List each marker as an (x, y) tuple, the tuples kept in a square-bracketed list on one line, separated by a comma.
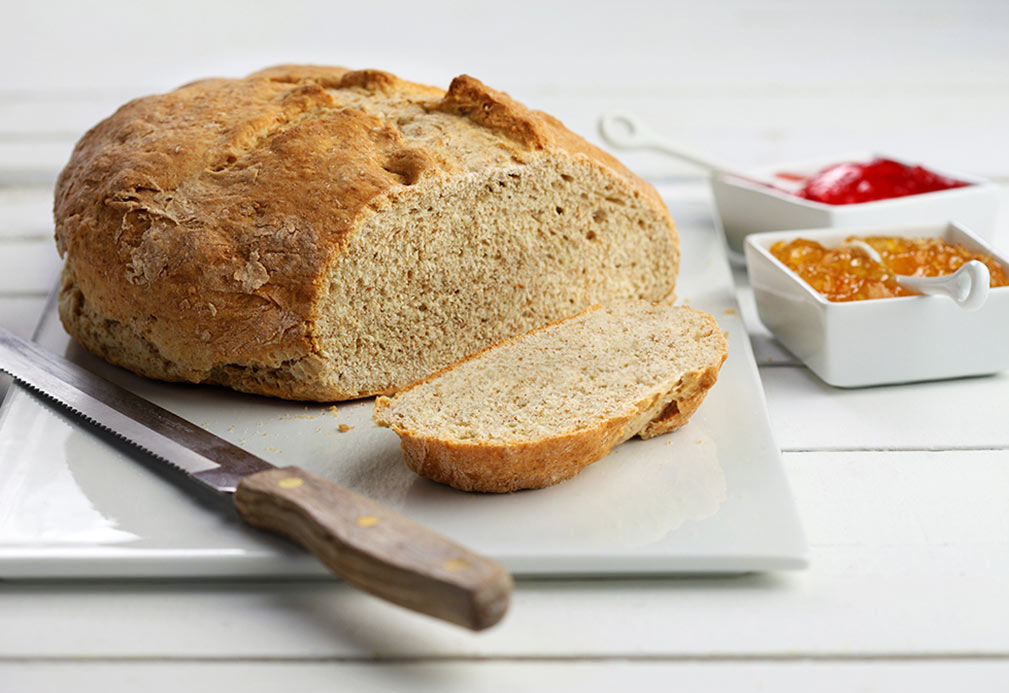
[(709, 498)]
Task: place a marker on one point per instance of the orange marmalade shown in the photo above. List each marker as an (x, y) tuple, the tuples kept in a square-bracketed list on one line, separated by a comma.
[(847, 273)]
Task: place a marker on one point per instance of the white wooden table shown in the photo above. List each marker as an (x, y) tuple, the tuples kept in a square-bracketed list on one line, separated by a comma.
[(903, 491)]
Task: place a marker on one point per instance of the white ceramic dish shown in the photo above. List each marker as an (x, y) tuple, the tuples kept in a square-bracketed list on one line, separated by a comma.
[(879, 341), (746, 207), (709, 498)]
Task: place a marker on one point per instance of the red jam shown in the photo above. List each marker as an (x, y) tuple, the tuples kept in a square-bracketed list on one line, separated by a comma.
[(879, 179)]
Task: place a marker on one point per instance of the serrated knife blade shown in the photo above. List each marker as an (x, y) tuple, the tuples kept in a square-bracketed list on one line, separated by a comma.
[(207, 458), (369, 546)]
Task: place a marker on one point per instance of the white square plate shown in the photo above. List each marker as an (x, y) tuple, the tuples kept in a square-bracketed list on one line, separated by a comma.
[(709, 498)]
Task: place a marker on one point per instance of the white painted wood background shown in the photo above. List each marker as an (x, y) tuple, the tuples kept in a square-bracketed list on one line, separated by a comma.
[(904, 491)]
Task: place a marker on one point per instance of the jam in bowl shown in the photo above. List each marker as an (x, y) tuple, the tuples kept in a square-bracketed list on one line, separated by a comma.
[(835, 192), (854, 182), (847, 273), (890, 339)]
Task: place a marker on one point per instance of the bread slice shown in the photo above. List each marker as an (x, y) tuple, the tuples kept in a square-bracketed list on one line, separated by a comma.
[(322, 233), (536, 409)]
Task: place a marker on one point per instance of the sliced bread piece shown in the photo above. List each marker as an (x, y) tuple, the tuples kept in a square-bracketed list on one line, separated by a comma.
[(538, 408)]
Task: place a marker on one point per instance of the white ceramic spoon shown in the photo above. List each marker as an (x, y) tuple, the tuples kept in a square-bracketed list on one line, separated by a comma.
[(968, 286), (623, 130)]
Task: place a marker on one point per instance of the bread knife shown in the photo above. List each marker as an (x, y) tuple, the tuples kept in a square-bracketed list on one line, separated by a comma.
[(369, 546)]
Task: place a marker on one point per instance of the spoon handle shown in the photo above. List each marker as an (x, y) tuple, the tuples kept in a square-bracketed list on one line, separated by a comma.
[(623, 130)]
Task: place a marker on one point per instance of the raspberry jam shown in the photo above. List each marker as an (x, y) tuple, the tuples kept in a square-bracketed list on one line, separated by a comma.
[(879, 179), (847, 273)]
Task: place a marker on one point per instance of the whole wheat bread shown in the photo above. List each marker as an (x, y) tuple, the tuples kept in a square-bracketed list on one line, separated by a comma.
[(536, 409), (321, 233)]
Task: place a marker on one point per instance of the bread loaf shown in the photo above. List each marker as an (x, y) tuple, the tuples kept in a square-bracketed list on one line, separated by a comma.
[(538, 408), (323, 234)]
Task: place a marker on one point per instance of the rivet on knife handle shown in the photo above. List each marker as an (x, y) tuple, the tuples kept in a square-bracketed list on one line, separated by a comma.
[(375, 549)]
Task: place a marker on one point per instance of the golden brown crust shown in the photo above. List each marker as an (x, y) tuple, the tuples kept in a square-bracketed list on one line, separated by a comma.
[(694, 388), (203, 221), (470, 98), (169, 225), (490, 468), (497, 111)]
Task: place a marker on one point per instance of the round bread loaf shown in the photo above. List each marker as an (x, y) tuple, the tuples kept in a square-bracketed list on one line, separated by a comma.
[(322, 234)]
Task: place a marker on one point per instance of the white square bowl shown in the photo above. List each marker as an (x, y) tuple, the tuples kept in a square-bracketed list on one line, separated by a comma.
[(885, 340), (747, 207)]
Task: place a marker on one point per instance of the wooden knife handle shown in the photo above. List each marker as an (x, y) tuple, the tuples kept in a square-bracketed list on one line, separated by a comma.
[(375, 549)]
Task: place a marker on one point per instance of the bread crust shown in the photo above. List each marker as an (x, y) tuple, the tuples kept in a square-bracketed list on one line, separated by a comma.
[(198, 227), (493, 468), (691, 393)]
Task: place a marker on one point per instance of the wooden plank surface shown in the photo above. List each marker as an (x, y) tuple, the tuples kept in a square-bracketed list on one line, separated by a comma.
[(28, 267), (697, 676), (902, 489), (20, 314), (754, 84), (810, 415), (909, 553), (26, 213)]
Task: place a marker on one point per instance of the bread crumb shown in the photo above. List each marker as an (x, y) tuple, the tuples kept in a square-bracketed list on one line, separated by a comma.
[(730, 311), (344, 428), (334, 410), (231, 428), (274, 449)]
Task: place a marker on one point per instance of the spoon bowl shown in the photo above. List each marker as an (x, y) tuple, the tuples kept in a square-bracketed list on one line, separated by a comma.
[(967, 287)]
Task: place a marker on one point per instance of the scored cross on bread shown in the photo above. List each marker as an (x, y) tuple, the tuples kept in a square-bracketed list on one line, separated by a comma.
[(538, 408)]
